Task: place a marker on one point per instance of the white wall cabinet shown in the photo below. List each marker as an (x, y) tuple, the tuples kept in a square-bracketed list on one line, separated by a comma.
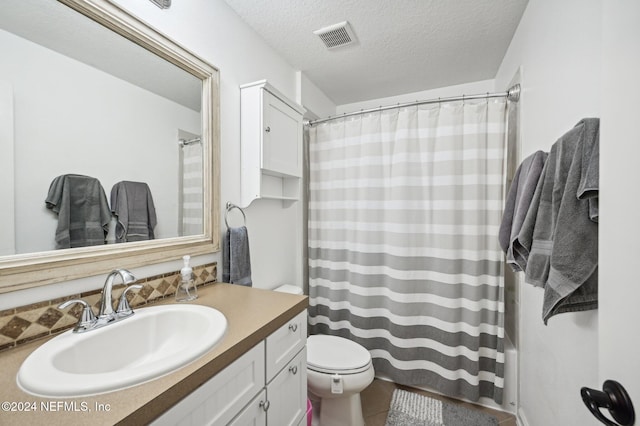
[(270, 144), (267, 386)]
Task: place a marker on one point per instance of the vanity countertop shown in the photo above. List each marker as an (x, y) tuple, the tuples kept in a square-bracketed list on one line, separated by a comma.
[(252, 315)]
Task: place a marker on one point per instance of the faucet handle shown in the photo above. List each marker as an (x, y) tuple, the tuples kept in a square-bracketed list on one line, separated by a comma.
[(124, 309), (87, 319)]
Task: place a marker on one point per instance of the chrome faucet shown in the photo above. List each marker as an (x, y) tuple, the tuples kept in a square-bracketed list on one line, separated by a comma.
[(106, 304), (88, 321)]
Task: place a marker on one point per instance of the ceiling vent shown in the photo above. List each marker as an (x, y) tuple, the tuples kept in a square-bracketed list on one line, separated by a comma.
[(336, 35)]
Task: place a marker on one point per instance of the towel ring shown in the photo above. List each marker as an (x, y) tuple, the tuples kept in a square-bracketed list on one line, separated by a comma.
[(231, 206)]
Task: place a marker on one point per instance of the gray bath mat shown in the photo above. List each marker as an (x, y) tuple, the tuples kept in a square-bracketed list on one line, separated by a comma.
[(411, 409)]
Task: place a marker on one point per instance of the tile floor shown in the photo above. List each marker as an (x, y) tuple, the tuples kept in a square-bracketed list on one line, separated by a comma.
[(377, 397)]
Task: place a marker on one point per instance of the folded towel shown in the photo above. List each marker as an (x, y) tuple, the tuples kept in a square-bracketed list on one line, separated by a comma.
[(590, 177), (521, 246), (132, 204), (563, 246), (82, 208), (236, 262), (517, 205)]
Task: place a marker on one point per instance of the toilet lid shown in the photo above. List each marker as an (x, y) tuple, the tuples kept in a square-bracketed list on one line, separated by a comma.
[(336, 355)]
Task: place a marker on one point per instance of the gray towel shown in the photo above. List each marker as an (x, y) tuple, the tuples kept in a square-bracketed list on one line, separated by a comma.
[(236, 262), (562, 238), (590, 177), (132, 204), (516, 207), (82, 208)]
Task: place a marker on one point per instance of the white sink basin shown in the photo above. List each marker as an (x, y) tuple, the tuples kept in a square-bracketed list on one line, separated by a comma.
[(153, 342)]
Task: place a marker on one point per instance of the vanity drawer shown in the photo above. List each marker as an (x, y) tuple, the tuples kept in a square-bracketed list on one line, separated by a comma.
[(285, 343)]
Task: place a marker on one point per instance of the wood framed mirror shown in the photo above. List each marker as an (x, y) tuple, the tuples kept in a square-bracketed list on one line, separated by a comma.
[(139, 99)]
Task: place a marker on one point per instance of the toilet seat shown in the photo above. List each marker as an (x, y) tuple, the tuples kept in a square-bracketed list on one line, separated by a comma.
[(336, 355)]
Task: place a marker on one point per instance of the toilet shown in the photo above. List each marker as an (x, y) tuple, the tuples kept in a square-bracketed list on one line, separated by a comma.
[(338, 369)]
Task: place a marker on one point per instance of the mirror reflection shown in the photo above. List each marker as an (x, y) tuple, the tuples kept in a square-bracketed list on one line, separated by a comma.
[(100, 137)]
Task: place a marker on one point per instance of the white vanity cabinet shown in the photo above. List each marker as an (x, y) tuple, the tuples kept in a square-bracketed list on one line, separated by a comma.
[(283, 402), (287, 393), (267, 386), (270, 144)]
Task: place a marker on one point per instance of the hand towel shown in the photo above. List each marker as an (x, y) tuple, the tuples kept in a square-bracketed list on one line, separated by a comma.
[(563, 254), (82, 208), (236, 261), (133, 206), (517, 205)]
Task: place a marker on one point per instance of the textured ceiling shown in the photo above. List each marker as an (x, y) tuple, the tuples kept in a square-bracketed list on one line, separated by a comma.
[(403, 45)]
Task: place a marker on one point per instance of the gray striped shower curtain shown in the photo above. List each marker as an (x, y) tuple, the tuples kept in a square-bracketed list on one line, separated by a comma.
[(191, 203), (404, 211)]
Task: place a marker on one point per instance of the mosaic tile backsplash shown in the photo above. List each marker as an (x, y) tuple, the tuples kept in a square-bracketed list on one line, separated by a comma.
[(27, 323)]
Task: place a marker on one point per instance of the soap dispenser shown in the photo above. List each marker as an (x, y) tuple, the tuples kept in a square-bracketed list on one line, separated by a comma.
[(186, 290)]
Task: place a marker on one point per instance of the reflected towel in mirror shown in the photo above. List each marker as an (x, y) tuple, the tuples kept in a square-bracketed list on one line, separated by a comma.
[(82, 208), (133, 206)]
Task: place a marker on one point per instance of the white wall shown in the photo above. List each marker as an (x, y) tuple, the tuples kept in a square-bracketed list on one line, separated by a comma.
[(318, 105), (74, 118), (619, 290), (7, 212), (213, 31), (473, 88), (558, 45)]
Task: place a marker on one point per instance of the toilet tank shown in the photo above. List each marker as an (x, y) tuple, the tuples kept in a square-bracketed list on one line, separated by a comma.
[(288, 288)]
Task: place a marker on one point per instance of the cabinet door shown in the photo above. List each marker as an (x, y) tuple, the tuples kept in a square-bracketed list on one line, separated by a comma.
[(287, 393), (218, 400), (284, 343), (254, 414), (282, 137)]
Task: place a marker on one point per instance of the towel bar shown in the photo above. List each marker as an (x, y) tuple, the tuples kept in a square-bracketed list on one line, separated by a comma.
[(231, 206)]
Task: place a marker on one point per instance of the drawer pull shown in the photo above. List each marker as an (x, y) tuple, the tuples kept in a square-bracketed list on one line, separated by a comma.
[(293, 327), (265, 405), (293, 369), (268, 129)]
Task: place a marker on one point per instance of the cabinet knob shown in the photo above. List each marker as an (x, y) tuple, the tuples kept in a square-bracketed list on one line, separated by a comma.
[(293, 327), (293, 369), (265, 405), (268, 129)]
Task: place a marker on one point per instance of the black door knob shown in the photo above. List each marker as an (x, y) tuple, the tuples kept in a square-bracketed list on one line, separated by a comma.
[(614, 398)]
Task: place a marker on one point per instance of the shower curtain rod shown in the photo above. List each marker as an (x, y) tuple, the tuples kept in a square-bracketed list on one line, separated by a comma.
[(513, 95)]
